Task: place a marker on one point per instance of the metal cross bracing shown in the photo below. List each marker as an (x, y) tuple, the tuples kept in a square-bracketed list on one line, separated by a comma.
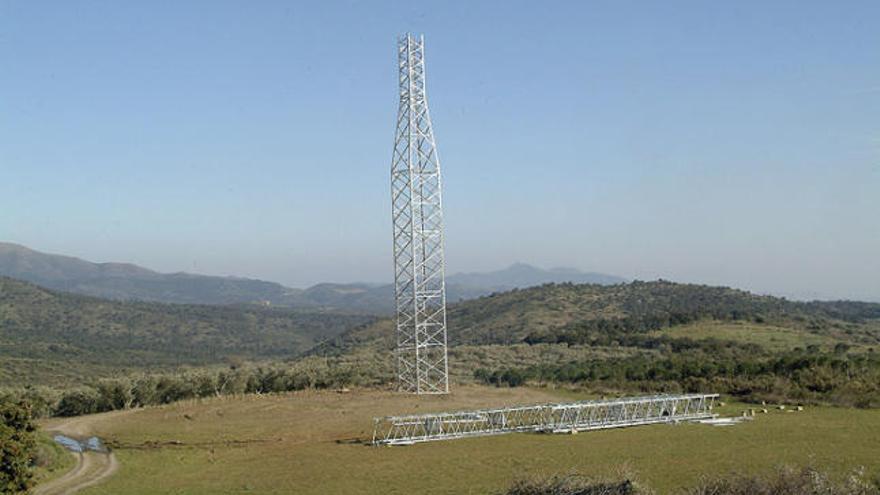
[(553, 418), (419, 287)]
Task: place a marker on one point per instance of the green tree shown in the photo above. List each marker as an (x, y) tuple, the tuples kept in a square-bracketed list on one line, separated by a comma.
[(17, 447), (78, 403)]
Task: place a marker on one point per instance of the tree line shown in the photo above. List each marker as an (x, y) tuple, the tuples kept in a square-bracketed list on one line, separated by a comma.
[(806, 376), (144, 389)]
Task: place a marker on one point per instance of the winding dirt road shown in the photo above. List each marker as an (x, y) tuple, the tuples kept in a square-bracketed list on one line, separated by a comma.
[(91, 467)]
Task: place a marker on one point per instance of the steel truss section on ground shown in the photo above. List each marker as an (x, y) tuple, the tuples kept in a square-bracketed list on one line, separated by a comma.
[(551, 418)]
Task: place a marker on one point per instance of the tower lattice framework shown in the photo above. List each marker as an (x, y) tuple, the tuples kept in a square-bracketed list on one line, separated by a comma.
[(420, 291)]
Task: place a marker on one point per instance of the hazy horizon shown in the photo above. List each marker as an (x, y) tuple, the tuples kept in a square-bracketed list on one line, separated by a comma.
[(804, 296), (734, 144)]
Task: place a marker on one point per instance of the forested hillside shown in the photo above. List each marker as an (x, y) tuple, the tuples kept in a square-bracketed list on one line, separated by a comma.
[(638, 337), (583, 314), (650, 337), (42, 327)]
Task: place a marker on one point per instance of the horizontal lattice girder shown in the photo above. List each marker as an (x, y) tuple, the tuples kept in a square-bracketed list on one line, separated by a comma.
[(554, 418)]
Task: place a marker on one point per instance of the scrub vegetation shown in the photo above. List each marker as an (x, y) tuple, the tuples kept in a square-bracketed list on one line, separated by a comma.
[(629, 338), (18, 447), (784, 481), (56, 338), (663, 337)]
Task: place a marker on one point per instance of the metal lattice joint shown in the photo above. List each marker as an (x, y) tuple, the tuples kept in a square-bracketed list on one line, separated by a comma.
[(420, 291)]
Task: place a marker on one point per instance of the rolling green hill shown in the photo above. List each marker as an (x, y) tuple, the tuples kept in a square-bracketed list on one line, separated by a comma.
[(647, 337), (576, 314), (43, 329), (636, 337)]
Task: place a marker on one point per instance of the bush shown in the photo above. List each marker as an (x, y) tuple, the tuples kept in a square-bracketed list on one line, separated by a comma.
[(788, 481), (77, 403), (573, 485), (17, 447), (784, 481)]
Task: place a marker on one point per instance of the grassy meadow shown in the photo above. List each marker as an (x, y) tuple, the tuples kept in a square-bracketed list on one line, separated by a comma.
[(307, 442), (776, 338)]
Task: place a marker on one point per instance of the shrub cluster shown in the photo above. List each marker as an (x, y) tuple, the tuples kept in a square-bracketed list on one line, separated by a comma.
[(154, 389), (783, 481), (843, 379), (17, 447), (573, 485), (788, 481)]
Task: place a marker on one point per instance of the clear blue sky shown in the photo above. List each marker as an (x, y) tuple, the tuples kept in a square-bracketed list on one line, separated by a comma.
[(732, 143)]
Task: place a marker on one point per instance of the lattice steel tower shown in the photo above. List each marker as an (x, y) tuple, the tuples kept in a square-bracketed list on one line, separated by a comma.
[(420, 290)]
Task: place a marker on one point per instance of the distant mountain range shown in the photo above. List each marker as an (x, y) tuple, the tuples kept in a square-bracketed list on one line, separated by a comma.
[(124, 281)]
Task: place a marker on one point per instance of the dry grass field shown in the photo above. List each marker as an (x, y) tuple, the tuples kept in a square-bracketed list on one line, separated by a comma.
[(306, 442)]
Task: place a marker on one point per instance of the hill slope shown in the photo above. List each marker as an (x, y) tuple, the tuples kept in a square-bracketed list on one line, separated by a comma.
[(569, 313), (130, 282), (650, 337), (521, 275), (46, 326), (379, 299), (123, 281)]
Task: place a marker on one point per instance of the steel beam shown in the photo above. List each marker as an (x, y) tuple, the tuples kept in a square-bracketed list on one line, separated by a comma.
[(551, 418)]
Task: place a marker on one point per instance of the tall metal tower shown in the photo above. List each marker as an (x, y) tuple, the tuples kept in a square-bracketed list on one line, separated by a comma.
[(420, 290)]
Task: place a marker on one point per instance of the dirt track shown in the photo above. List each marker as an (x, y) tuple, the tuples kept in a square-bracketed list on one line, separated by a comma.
[(91, 467)]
